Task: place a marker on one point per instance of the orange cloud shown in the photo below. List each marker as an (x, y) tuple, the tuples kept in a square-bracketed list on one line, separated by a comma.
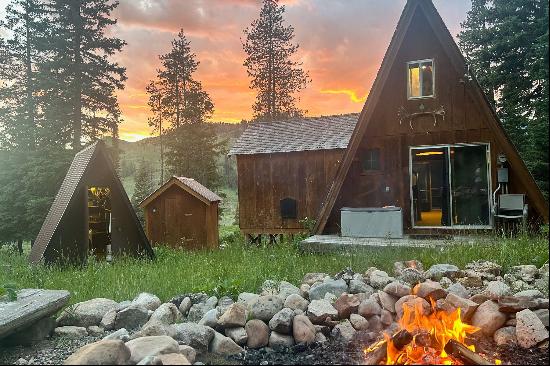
[(350, 93)]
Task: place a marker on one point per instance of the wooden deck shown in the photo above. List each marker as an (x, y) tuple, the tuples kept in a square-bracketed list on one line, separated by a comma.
[(330, 243)]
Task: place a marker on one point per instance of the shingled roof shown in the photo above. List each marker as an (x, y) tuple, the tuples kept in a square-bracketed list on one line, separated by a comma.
[(188, 184), (296, 134)]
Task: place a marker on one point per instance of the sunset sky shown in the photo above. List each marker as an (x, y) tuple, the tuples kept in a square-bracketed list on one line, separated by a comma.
[(342, 43)]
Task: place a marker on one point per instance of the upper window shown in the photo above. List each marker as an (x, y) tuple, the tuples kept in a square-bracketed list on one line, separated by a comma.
[(371, 160), (421, 78)]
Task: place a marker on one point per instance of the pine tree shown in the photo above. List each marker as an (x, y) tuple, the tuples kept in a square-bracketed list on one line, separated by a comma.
[(506, 43), (144, 186), (275, 75), (81, 79)]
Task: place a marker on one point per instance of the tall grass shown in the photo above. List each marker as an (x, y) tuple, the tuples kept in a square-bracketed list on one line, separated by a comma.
[(238, 268)]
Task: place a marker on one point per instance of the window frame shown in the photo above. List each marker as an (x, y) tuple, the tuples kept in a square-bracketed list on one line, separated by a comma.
[(420, 62), (378, 160)]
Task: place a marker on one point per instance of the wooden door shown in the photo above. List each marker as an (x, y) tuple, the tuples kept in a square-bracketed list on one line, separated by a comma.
[(169, 224)]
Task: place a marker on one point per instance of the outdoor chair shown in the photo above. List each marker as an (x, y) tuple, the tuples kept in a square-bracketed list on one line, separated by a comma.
[(511, 207)]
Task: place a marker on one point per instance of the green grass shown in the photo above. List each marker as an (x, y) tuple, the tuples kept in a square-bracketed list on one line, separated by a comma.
[(238, 268)]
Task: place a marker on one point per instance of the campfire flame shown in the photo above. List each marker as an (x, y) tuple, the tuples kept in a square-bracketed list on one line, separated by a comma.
[(430, 335)]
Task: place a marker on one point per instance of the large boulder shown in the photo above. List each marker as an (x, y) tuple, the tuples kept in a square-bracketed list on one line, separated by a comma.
[(134, 316), (488, 318), (303, 330), (282, 321), (225, 346), (265, 307), (530, 330), (166, 313), (258, 334), (108, 352), (234, 316), (319, 310), (194, 335), (320, 289), (87, 313), (149, 301), (151, 346)]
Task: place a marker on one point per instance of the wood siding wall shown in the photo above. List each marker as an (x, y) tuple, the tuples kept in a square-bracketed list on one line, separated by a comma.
[(265, 179), (181, 220), (464, 122)]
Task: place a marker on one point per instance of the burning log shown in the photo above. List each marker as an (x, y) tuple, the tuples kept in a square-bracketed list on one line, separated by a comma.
[(400, 340), (463, 353)]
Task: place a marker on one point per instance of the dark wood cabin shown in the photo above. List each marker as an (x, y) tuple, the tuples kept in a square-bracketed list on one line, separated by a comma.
[(284, 169), (91, 214), (182, 214), (428, 140)]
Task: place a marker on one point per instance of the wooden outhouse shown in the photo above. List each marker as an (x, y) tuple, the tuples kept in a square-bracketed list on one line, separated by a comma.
[(284, 170), (182, 214), (91, 214), (429, 142)]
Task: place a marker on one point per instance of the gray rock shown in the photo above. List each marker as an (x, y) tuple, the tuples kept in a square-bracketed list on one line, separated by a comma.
[(150, 360), (399, 267), (269, 287), (197, 311), (212, 301), (303, 330), (526, 273), (70, 331), (225, 346), (320, 338), (369, 308), (155, 328), (379, 279), (151, 346), (234, 316), (32, 334), (445, 282), (238, 335), (437, 271), (530, 294), (459, 290), (95, 331), (358, 286), (343, 331), (121, 334), (319, 310), (411, 302), (467, 307), (411, 276), (496, 289), (520, 285), (387, 301), (166, 313), (311, 278), (358, 322), (542, 314), (109, 352), (123, 305), (485, 267), (108, 320), (282, 321), (265, 307), (173, 359), (488, 318), (149, 301), (223, 304), (87, 313), (386, 317), (530, 330), (278, 340), (304, 290), (286, 289), (132, 317), (295, 301), (194, 335), (397, 289), (210, 319), (185, 305), (505, 336), (247, 298), (335, 287), (188, 351), (330, 297), (258, 334)]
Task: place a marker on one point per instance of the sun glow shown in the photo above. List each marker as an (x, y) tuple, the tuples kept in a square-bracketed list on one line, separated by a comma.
[(350, 93)]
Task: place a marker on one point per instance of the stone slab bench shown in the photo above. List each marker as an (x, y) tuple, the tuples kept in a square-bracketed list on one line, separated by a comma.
[(31, 306)]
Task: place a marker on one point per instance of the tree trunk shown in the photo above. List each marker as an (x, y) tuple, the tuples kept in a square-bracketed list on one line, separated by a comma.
[(177, 99), (161, 142), (77, 102), (28, 61), (20, 246)]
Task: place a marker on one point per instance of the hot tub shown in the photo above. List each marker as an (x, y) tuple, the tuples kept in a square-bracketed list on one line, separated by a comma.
[(372, 222)]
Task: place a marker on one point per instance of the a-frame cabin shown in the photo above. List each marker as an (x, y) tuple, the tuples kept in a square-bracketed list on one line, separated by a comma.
[(428, 141), (91, 214)]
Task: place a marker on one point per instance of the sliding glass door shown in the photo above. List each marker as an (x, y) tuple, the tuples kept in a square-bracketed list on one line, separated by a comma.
[(450, 186)]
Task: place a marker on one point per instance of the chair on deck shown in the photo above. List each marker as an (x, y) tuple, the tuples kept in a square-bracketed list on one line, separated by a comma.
[(511, 207)]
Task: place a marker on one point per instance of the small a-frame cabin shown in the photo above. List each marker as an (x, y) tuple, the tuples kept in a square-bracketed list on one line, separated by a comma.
[(182, 213), (428, 141), (91, 215), (284, 170)]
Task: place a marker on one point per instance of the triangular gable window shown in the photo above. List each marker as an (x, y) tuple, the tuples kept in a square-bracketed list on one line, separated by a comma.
[(420, 79)]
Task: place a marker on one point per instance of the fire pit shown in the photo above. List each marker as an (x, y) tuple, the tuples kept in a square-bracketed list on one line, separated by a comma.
[(437, 338)]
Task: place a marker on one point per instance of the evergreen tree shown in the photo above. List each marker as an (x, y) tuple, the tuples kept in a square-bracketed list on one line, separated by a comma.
[(144, 186), (80, 80), (275, 75), (506, 43)]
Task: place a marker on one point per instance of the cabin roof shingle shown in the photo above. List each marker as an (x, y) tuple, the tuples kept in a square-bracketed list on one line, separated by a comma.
[(296, 134), (199, 189)]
